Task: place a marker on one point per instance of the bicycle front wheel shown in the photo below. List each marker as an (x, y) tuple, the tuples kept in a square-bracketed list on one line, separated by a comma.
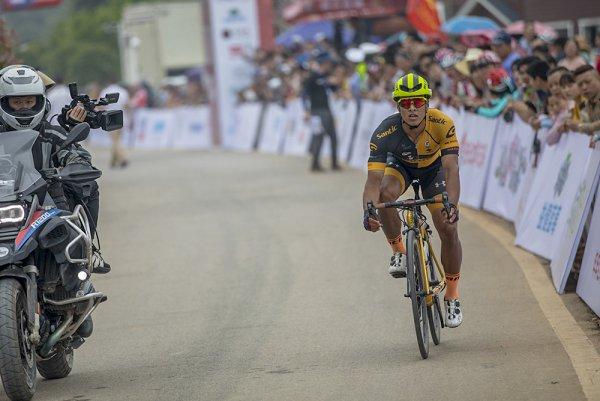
[(414, 275)]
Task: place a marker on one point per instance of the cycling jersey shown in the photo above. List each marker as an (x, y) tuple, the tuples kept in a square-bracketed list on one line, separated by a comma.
[(437, 139)]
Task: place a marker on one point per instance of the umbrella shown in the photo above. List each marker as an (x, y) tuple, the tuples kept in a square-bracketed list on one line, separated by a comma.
[(310, 31), (540, 29), (461, 24)]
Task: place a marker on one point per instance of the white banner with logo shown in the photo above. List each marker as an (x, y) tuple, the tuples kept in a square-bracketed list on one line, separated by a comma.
[(476, 144), (247, 120), (371, 115), (344, 114), (560, 172), (154, 129), (235, 36), (577, 213), (298, 133), (509, 168), (588, 286), (273, 129), (364, 129), (193, 128)]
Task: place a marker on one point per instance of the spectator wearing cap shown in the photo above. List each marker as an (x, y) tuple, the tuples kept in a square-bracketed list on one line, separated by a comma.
[(501, 90), (573, 59), (318, 111), (502, 46)]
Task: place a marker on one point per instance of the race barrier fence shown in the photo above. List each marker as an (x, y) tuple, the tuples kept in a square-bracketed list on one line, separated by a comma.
[(548, 197)]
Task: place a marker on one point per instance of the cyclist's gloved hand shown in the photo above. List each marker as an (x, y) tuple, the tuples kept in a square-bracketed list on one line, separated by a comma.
[(451, 213), (370, 219)]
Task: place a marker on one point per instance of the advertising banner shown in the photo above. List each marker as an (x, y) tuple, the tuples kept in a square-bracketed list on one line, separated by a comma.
[(509, 168), (371, 115), (153, 129), (588, 286), (193, 128), (474, 159), (247, 120), (273, 129), (235, 36), (578, 211), (560, 172), (298, 133)]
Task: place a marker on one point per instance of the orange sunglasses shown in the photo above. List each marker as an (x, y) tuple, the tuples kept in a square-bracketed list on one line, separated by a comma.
[(417, 101)]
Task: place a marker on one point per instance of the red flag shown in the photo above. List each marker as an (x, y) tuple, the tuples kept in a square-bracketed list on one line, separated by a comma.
[(423, 15)]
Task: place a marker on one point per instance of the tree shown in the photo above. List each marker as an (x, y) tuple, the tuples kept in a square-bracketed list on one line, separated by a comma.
[(7, 53)]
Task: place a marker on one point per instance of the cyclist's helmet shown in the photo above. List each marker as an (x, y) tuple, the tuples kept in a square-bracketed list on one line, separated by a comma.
[(17, 81), (411, 85)]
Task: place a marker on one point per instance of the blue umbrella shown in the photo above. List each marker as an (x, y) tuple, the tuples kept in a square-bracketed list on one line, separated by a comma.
[(309, 30), (460, 24)]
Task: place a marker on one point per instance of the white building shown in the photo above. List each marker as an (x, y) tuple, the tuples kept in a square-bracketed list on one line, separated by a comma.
[(158, 40)]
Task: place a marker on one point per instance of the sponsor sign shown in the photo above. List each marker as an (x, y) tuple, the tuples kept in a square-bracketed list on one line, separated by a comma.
[(588, 286)]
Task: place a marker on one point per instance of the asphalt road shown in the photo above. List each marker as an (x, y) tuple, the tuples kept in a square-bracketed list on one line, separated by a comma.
[(243, 277)]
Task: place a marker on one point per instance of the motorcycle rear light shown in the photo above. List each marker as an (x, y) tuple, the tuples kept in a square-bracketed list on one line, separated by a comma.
[(12, 214)]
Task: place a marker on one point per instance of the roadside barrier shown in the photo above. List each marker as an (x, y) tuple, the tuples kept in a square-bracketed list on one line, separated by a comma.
[(547, 196)]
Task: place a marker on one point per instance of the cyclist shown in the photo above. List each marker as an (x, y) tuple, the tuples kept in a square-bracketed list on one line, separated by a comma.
[(417, 143)]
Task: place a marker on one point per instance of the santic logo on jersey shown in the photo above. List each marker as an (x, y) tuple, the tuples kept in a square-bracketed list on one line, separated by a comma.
[(437, 120), (387, 132)]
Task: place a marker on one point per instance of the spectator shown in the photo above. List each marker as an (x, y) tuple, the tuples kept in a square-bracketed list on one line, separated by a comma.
[(528, 38), (588, 80), (537, 73), (554, 76), (319, 112), (570, 91), (502, 46), (501, 89), (573, 59), (118, 157)]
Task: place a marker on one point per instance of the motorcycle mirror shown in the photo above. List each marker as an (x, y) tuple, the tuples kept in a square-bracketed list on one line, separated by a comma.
[(79, 133), (73, 91)]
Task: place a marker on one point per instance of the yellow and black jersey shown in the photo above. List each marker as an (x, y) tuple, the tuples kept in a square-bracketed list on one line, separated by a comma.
[(438, 139)]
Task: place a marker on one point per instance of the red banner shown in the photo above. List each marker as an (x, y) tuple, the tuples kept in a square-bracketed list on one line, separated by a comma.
[(313, 10), (17, 5), (423, 15)]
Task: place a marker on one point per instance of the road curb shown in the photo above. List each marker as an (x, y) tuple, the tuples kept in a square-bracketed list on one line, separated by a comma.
[(581, 351)]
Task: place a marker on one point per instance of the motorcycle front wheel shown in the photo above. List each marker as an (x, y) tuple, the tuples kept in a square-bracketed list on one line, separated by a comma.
[(17, 354)]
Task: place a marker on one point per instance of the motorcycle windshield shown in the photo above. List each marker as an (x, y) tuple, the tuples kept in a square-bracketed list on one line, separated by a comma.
[(17, 169)]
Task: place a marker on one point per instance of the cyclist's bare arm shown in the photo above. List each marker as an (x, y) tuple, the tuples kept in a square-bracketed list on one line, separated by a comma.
[(450, 165), (371, 192)]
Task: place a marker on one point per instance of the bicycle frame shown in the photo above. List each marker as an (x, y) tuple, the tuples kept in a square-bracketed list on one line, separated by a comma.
[(413, 221)]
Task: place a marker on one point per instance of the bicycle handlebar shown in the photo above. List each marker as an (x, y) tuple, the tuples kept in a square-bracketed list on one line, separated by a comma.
[(411, 203)]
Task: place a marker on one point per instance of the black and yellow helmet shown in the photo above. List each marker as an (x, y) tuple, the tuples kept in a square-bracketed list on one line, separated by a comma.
[(411, 85)]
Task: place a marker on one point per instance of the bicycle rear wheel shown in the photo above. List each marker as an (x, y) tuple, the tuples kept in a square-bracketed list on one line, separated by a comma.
[(415, 289), (434, 311)]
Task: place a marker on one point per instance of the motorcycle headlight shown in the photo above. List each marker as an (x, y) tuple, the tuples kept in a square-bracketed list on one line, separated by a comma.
[(12, 214)]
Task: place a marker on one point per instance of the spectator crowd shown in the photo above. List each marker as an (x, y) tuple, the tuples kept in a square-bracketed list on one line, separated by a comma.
[(552, 83)]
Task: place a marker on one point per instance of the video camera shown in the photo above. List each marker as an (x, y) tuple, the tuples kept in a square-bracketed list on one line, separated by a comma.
[(107, 120)]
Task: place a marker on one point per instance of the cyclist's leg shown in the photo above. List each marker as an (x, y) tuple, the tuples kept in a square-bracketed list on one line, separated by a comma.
[(451, 254), (393, 186)]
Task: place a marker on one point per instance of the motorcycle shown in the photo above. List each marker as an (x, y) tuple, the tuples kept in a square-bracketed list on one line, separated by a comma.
[(46, 295)]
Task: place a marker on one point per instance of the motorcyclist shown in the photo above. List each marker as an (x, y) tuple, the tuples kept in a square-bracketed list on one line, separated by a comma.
[(23, 106)]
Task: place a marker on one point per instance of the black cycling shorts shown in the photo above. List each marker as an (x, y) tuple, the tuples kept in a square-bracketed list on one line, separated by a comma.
[(432, 179)]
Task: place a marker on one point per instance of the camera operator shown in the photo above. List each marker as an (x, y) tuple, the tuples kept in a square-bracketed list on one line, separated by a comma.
[(23, 106)]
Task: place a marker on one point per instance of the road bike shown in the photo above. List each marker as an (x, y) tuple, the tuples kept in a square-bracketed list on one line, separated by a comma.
[(425, 275)]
